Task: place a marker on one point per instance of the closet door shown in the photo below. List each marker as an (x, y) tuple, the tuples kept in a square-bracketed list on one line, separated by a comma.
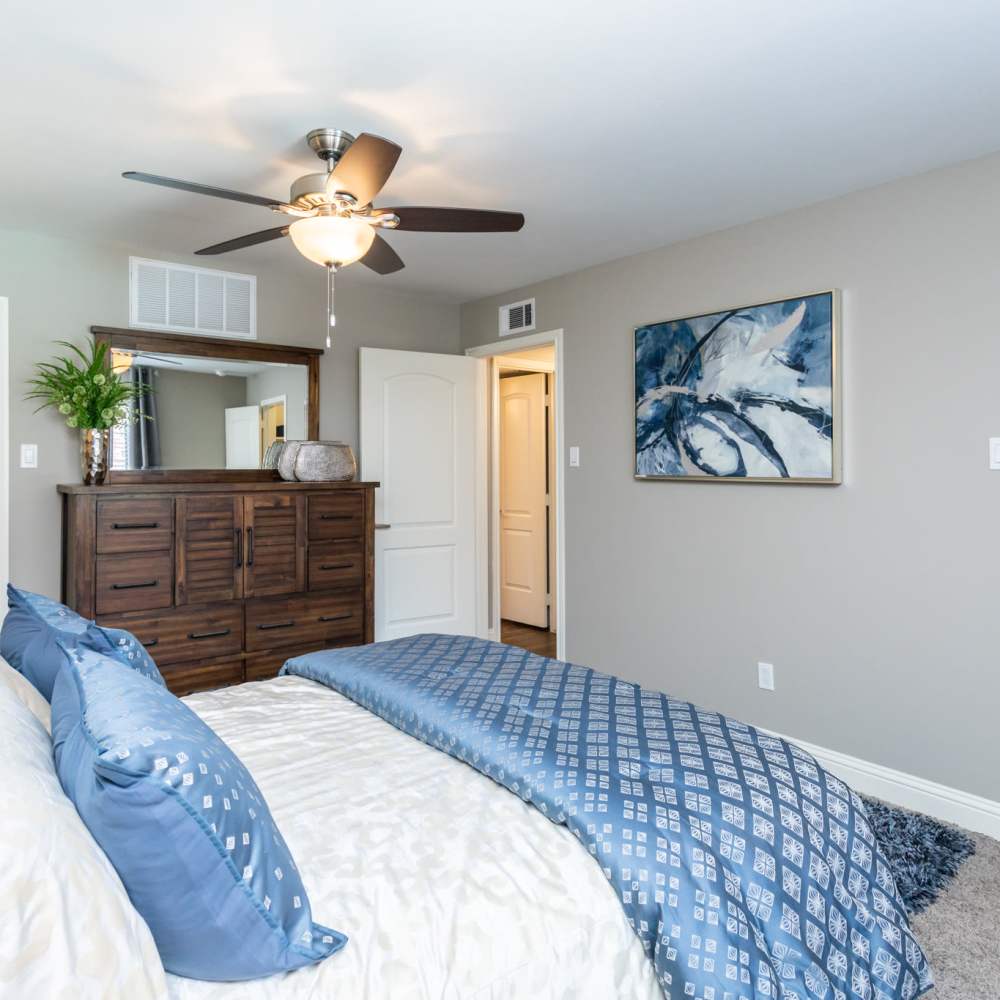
[(210, 544), (274, 544)]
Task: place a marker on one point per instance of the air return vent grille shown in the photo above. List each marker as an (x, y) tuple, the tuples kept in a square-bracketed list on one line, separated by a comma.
[(518, 317), (164, 296)]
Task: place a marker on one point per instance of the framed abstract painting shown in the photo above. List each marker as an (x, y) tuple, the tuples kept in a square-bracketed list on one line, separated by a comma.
[(746, 395)]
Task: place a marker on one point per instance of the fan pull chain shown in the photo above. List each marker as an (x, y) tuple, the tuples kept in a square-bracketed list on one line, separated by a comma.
[(331, 270)]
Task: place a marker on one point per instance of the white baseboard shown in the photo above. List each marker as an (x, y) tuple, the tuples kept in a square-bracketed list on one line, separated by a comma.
[(940, 801)]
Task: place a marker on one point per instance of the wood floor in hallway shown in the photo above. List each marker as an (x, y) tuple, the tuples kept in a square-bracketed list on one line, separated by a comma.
[(537, 640)]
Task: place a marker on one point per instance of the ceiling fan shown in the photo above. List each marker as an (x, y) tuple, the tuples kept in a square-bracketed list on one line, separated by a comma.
[(334, 221)]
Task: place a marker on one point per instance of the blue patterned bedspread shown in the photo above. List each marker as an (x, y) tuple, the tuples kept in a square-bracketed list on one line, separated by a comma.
[(746, 869)]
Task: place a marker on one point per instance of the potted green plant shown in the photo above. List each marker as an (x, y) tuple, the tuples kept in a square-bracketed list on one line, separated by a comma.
[(91, 396)]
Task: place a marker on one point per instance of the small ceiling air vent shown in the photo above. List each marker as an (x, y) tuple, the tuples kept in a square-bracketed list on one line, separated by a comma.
[(518, 317), (183, 299)]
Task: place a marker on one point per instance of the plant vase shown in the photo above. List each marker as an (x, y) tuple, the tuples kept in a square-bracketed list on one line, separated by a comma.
[(94, 446)]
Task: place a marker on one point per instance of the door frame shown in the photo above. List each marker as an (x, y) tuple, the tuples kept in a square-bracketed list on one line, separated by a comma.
[(270, 401), (489, 577), (5, 435)]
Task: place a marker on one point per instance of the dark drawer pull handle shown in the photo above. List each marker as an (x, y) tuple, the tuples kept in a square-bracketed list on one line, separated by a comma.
[(151, 643), (134, 527), (336, 517), (249, 546), (238, 546), (134, 586), (271, 625), (326, 566), (209, 635), (336, 618)]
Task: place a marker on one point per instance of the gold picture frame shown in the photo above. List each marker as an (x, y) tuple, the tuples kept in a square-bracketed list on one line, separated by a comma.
[(715, 409)]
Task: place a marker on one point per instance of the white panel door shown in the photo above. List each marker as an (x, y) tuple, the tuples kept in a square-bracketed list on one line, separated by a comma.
[(524, 552), (419, 418), (243, 437)]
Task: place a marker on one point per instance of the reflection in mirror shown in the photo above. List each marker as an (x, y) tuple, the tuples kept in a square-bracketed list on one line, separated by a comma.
[(208, 413)]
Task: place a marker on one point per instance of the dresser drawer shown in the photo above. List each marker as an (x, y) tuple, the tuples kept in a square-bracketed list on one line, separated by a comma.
[(336, 563), (135, 525), (186, 633), (337, 515), (134, 582), (186, 680), (272, 623), (263, 666)]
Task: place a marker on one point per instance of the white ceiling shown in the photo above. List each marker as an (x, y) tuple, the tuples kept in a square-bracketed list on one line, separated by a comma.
[(615, 127)]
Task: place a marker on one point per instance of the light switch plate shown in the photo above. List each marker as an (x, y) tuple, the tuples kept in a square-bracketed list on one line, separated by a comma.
[(765, 676), (995, 453), (574, 457), (29, 456)]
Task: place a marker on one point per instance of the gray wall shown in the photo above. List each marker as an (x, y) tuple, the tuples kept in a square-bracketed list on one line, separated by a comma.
[(292, 382), (876, 600), (191, 415), (58, 288)]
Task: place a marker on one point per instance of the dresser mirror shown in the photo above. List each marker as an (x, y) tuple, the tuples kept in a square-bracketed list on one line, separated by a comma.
[(213, 407)]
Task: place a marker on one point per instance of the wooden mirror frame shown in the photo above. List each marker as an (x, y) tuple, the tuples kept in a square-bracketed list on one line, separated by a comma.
[(151, 341)]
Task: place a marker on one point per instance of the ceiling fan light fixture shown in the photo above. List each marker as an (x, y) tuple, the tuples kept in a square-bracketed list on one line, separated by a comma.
[(332, 240)]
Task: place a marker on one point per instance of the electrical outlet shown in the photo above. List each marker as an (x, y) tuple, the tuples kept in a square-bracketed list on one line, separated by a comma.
[(765, 676), (29, 456), (574, 457)]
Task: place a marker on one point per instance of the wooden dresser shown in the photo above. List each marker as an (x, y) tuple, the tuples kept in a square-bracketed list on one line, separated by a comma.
[(223, 582)]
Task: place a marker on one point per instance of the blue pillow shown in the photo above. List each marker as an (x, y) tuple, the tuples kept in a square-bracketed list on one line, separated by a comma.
[(36, 628), (124, 647), (184, 824)]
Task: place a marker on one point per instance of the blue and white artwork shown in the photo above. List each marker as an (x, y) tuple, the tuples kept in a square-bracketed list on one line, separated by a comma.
[(742, 394)]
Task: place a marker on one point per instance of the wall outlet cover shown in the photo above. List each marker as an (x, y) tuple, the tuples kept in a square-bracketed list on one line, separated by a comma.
[(29, 456)]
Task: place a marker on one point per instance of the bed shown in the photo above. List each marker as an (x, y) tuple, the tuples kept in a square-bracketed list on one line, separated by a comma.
[(450, 886), (456, 891)]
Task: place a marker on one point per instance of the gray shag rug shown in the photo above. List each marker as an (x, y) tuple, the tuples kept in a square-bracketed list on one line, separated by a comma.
[(950, 879), (925, 855)]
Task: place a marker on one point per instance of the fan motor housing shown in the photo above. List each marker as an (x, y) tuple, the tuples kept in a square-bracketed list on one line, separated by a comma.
[(310, 191)]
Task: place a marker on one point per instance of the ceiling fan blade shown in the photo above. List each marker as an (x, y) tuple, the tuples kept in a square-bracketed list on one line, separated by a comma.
[(364, 168), (245, 241), (456, 220), (381, 258), (212, 192)]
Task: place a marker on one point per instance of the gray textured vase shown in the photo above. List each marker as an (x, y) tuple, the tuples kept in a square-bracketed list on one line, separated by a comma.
[(286, 460), (272, 455), (94, 446), (324, 462)]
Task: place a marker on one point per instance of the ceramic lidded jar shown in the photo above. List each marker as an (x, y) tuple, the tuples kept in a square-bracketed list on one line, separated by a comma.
[(324, 462), (286, 460)]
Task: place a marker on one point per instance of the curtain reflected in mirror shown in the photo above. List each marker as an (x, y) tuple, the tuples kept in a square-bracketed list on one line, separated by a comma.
[(208, 413)]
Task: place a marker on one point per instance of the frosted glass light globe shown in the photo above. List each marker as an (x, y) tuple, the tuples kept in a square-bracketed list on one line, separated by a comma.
[(331, 239)]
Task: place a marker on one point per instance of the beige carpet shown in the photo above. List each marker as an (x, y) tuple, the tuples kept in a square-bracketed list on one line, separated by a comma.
[(960, 933)]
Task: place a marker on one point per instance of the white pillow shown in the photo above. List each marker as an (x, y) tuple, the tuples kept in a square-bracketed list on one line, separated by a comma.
[(69, 929), (27, 693)]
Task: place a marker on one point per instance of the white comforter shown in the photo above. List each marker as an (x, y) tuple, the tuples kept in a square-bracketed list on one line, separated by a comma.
[(448, 886)]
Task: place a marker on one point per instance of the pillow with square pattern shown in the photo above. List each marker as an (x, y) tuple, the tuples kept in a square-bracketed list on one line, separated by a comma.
[(70, 932), (184, 824), (36, 628)]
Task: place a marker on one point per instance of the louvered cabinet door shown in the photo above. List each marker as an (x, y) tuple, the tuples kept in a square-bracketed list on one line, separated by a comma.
[(275, 544), (209, 549)]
